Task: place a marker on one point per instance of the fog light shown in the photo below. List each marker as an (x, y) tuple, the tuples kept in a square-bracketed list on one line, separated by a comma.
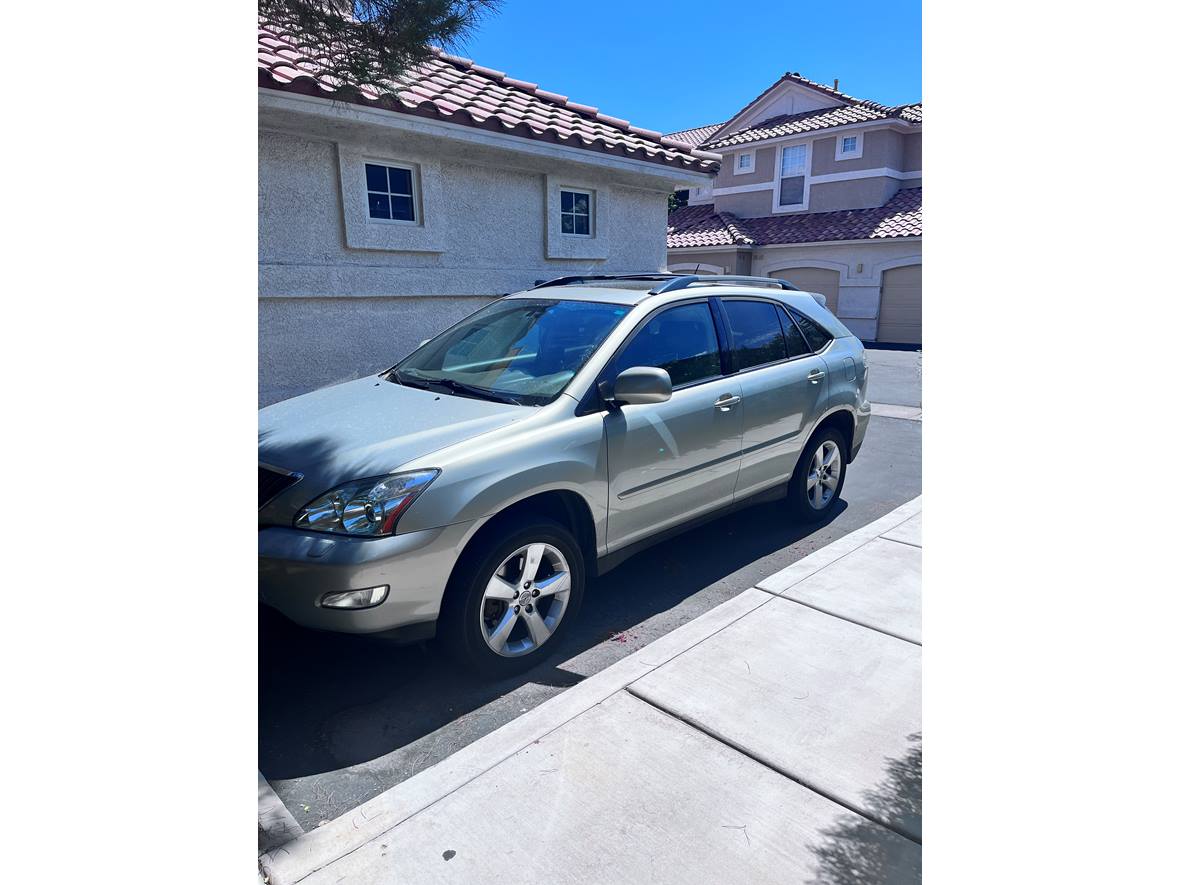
[(356, 598)]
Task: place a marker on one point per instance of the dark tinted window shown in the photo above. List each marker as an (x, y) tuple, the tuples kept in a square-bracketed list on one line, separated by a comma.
[(680, 340), (796, 343), (816, 336), (757, 335)]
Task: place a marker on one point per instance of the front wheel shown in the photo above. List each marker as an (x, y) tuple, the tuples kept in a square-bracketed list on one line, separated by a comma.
[(819, 476), (511, 597)]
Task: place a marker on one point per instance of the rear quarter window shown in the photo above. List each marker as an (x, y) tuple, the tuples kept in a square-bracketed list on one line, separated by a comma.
[(817, 337)]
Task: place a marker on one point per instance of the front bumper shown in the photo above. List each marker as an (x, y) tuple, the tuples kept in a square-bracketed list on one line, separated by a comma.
[(297, 568)]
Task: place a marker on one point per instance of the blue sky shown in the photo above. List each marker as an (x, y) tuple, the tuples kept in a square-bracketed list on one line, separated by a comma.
[(657, 65)]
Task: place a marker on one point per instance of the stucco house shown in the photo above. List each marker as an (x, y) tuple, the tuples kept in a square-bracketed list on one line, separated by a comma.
[(387, 214), (820, 188)]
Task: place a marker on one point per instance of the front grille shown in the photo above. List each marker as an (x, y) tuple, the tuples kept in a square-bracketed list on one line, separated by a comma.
[(271, 482)]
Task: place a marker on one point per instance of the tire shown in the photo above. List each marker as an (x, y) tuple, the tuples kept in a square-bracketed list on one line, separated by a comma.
[(472, 623), (801, 497)]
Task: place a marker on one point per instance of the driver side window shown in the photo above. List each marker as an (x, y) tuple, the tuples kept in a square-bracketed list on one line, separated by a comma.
[(681, 340)]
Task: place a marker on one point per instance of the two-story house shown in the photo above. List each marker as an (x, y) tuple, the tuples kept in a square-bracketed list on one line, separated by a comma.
[(388, 214), (819, 188)]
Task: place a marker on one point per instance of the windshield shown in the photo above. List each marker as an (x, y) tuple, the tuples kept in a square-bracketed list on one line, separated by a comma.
[(516, 350)]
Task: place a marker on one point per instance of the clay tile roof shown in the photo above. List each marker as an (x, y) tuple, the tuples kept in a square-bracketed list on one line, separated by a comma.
[(853, 110), (808, 121), (693, 137), (459, 91), (692, 226)]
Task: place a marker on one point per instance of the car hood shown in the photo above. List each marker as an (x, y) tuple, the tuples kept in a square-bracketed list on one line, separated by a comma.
[(369, 427)]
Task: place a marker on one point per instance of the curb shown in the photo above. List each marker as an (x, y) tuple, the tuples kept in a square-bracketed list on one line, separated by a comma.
[(293, 861)]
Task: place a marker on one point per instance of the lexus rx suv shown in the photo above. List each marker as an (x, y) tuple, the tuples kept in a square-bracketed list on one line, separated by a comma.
[(472, 489)]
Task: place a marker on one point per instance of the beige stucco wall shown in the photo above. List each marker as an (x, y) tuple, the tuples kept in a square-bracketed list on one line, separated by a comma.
[(764, 160), (882, 148), (860, 193), (912, 158)]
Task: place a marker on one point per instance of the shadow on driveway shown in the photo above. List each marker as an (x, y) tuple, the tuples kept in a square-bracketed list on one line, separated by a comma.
[(328, 701)]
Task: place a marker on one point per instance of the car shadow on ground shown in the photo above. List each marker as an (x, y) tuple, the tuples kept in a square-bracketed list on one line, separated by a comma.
[(328, 701)]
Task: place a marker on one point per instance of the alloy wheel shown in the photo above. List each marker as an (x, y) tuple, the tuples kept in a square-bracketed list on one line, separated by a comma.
[(823, 476), (525, 600)]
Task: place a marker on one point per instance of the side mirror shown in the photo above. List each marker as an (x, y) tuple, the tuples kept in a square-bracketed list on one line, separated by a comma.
[(642, 384)]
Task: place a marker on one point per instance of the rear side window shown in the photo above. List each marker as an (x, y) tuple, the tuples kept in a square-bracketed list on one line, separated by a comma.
[(816, 336), (757, 335), (681, 340), (796, 343)]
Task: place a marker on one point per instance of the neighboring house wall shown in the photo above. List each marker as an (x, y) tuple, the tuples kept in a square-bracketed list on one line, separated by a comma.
[(753, 194), (340, 298), (860, 264)]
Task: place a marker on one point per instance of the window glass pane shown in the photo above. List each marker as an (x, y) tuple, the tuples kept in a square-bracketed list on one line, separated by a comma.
[(790, 191), (796, 343), (375, 177), (582, 225), (526, 348), (743, 161), (681, 340), (849, 144), (378, 206), (757, 335), (402, 208), (816, 336), (794, 159), (582, 204), (567, 223), (567, 201), (399, 181)]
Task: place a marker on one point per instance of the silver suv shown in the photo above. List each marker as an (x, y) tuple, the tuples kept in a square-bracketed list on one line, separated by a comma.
[(475, 486)]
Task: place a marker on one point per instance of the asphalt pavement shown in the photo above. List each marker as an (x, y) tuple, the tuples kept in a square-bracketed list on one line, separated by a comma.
[(344, 718)]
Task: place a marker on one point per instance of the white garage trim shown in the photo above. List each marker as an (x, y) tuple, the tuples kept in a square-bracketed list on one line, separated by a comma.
[(890, 264), (820, 263)]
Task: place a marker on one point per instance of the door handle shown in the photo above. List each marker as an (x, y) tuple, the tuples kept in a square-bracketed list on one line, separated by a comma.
[(815, 376), (727, 401)]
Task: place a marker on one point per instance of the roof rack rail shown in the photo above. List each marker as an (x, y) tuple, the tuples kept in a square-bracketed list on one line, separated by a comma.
[(683, 282), (586, 278)]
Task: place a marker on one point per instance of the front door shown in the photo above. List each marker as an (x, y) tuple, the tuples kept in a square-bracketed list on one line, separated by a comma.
[(668, 462)]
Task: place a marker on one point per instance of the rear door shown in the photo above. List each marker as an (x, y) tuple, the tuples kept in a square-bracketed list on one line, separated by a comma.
[(783, 387), (668, 462)]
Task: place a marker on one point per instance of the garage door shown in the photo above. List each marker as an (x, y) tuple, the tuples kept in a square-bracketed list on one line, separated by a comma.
[(901, 306), (814, 279)]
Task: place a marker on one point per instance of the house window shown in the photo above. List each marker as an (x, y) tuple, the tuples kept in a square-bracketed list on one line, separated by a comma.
[(391, 193), (576, 208), (743, 163), (849, 147), (792, 174)]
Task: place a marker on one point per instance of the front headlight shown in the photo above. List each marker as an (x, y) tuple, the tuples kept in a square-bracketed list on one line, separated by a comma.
[(366, 507)]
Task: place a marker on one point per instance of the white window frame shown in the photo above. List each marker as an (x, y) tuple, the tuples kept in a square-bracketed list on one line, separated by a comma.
[(563, 189), (778, 177), (415, 186), (737, 159), (856, 153)]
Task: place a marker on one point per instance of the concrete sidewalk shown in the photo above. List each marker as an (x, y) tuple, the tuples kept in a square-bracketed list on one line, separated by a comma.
[(775, 739)]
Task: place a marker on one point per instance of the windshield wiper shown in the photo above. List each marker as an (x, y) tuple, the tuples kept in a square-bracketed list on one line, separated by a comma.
[(421, 382), (472, 390)]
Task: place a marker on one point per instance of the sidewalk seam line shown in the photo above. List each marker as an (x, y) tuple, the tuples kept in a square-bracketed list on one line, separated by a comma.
[(499, 762), (705, 730), (900, 541), (826, 564), (824, 611)]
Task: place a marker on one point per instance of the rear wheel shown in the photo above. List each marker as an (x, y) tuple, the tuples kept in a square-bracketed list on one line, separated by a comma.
[(511, 597), (819, 476)]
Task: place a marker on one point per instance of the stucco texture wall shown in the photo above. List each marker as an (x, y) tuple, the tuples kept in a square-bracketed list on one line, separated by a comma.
[(329, 312)]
